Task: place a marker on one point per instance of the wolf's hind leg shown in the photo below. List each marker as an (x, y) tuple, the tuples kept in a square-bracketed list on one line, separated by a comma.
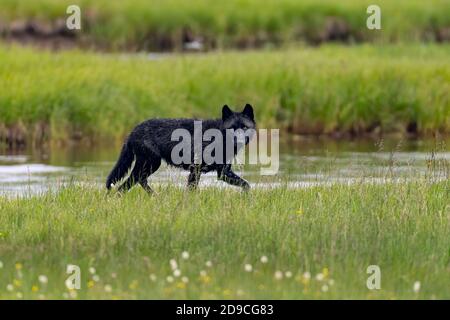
[(142, 170), (194, 177), (147, 188), (227, 175), (148, 168)]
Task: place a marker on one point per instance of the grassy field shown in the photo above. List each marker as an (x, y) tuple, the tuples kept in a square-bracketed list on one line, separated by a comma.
[(362, 89), (317, 243), (162, 24)]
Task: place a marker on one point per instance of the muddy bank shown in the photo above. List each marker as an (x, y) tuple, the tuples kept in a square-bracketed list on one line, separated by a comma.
[(20, 136), (54, 35)]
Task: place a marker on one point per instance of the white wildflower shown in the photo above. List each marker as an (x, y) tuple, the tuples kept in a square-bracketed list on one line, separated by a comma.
[(173, 264), (185, 255), (416, 287), (43, 279), (278, 275)]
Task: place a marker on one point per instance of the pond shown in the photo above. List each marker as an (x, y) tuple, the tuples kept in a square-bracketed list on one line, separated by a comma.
[(304, 162)]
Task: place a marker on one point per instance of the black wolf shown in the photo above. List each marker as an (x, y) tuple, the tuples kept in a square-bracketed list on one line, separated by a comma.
[(151, 141)]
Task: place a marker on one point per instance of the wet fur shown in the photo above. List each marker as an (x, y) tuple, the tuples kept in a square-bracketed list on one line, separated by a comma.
[(150, 143)]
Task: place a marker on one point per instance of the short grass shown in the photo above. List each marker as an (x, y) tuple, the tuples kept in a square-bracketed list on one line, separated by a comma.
[(310, 90), (156, 24), (318, 243)]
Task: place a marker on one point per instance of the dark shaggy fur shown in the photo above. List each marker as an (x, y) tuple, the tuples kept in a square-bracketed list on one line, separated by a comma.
[(150, 142)]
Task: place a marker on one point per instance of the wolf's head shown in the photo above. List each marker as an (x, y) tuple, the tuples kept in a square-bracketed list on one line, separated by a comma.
[(240, 121)]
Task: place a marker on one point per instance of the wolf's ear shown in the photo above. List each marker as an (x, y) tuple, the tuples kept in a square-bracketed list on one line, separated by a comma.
[(226, 112), (248, 111)]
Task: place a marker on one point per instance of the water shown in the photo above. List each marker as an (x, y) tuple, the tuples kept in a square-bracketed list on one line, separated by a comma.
[(303, 162)]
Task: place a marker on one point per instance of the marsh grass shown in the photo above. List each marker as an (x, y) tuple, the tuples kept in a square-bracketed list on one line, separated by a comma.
[(163, 24), (318, 242), (332, 89)]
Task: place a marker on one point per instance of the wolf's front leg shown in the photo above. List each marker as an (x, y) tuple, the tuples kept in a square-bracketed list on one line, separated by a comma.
[(227, 175)]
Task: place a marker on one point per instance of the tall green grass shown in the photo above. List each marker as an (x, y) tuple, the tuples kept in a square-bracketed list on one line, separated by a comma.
[(143, 24), (315, 90), (332, 233)]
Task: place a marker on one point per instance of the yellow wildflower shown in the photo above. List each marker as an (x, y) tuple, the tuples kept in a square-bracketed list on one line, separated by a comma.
[(133, 285), (17, 283), (205, 279), (181, 285)]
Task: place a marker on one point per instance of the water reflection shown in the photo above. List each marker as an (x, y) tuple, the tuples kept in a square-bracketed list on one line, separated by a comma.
[(303, 163)]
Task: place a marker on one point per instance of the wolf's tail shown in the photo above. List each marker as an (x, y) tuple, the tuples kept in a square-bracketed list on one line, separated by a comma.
[(122, 166)]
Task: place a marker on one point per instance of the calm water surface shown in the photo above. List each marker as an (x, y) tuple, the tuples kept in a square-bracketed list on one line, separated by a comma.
[(303, 163)]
